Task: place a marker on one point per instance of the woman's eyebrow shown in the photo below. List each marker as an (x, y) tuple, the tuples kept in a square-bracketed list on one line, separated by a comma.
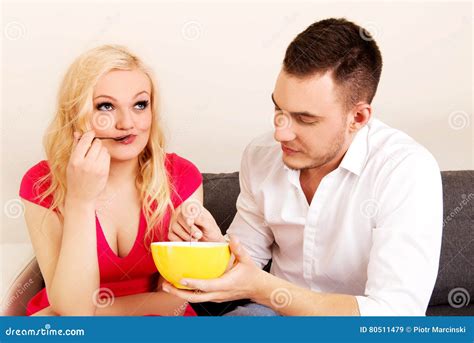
[(304, 113), (111, 97)]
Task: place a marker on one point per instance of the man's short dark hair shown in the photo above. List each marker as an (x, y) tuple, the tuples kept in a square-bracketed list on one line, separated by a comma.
[(343, 48)]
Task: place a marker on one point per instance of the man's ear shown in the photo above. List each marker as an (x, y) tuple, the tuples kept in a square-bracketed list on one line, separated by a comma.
[(359, 116)]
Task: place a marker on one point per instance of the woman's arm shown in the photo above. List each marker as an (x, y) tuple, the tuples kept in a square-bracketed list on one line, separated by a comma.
[(157, 303), (67, 253)]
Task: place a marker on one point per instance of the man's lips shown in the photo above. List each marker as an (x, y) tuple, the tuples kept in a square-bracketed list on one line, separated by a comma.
[(288, 150)]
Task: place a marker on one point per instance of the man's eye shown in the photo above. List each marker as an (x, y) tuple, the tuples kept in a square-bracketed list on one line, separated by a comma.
[(141, 105), (307, 120), (105, 106)]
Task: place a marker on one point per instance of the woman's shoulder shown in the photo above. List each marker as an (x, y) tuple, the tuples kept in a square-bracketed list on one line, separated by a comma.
[(185, 176), (34, 183), (179, 166)]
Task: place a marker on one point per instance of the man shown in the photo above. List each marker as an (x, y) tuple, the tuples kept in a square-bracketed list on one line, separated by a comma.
[(348, 209)]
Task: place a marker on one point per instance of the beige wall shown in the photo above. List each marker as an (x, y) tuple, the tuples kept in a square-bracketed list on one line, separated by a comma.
[(216, 64)]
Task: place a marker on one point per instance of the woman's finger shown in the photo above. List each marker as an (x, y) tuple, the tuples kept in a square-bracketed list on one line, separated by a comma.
[(179, 231), (83, 145), (104, 159), (77, 136), (187, 223), (192, 229), (94, 151), (172, 237)]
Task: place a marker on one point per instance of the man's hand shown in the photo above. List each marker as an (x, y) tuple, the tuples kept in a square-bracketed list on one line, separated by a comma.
[(194, 222), (242, 281)]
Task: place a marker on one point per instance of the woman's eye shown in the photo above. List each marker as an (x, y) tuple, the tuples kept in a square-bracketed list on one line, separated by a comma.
[(105, 106), (141, 105)]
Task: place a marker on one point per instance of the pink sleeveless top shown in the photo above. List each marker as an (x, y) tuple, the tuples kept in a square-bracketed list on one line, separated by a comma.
[(136, 272)]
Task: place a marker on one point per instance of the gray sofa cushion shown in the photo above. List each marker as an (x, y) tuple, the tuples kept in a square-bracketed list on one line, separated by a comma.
[(457, 253), (456, 267), (220, 195)]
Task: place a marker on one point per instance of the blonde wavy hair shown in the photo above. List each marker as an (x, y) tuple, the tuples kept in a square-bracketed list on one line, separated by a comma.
[(73, 113)]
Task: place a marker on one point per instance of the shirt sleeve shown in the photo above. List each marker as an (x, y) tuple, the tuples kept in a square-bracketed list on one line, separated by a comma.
[(249, 224), (406, 242), (186, 178), (31, 188)]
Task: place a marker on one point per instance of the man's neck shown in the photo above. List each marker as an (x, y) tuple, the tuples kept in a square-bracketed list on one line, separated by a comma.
[(310, 178)]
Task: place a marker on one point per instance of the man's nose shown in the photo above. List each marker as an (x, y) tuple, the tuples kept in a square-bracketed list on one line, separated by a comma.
[(284, 130)]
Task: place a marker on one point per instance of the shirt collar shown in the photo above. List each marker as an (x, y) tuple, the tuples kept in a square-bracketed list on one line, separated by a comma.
[(293, 175), (353, 160), (356, 156)]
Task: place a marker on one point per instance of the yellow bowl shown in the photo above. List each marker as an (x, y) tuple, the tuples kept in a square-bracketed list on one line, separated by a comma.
[(197, 260)]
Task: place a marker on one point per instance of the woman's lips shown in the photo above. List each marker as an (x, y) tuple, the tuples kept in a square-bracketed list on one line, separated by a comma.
[(129, 139)]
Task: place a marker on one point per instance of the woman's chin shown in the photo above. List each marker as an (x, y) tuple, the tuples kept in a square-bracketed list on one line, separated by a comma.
[(122, 156)]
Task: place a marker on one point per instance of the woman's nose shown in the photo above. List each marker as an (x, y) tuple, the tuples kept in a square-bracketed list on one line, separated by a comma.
[(124, 120)]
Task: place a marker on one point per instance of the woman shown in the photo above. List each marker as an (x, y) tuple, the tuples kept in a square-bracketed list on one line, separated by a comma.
[(106, 191)]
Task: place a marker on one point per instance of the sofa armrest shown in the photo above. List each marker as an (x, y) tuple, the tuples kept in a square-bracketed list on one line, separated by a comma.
[(27, 283)]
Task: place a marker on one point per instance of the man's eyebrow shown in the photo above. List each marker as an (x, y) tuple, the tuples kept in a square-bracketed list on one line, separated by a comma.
[(111, 97), (303, 113)]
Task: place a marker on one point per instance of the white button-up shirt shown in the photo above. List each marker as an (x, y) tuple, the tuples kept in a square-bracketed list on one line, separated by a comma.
[(373, 228)]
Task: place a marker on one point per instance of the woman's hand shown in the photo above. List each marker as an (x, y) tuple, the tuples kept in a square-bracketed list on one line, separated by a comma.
[(194, 220), (88, 168)]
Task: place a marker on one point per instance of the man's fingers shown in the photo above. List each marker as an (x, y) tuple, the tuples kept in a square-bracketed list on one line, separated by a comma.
[(231, 263), (239, 251), (192, 296), (209, 285)]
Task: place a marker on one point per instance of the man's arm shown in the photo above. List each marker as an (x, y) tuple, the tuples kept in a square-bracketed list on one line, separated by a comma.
[(247, 281), (249, 223), (288, 299), (403, 260)]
